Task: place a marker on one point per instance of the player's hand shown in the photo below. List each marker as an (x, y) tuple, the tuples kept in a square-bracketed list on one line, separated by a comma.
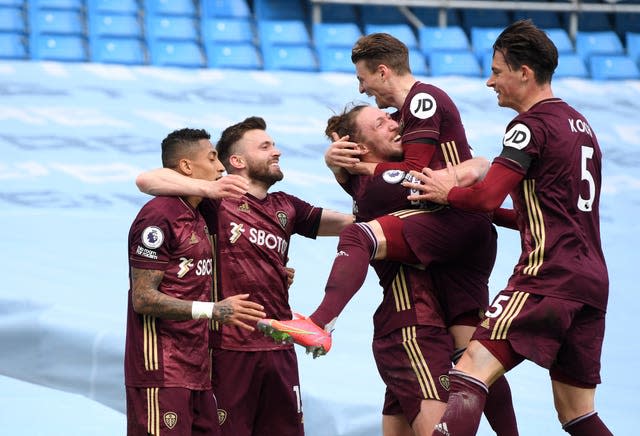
[(290, 275), (238, 310), (230, 186), (433, 185), (342, 153)]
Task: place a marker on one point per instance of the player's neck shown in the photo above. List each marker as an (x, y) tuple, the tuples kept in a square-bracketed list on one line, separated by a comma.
[(258, 189), (193, 201)]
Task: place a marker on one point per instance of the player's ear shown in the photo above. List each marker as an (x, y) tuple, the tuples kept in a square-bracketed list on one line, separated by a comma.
[(185, 167), (236, 161)]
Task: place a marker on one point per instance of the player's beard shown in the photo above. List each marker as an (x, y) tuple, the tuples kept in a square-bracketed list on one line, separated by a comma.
[(266, 174)]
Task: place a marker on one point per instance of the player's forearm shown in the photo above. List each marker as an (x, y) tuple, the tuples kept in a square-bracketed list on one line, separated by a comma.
[(165, 181), (471, 171), (332, 223), (148, 300)]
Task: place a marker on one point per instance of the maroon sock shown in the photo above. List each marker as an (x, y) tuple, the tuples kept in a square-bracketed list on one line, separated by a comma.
[(356, 247), (464, 408), (499, 409), (587, 425)]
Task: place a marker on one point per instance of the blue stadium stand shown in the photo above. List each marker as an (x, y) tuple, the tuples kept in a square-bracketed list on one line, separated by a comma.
[(233, 55), (454, 63), (417, 63), (482, 39), (279, 10), (486, 62), (471, 18), (430, 16), (335, 34), (184, 8), (402, 31), (12, 20), (337, 13), (12, 46), (442, 38), (333, 58), (75, 5), (561, 40), (289, 57), (173, 28), (571, 65), (225, 9), (291, 32), (123, 7), (175, 53), (222, 30), (56, 21), (613, 67), (114, 25), (598, 42), (623, 23), (633, 46), (117, 50), (542, 19), (70, 48), (373, 14)]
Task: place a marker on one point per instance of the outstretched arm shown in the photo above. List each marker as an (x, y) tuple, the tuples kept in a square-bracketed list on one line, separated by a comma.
[(332, 222), (165, 181)]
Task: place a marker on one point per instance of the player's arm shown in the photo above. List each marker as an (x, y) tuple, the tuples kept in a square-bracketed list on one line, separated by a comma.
[(486, 195), (343, 158), (505, 218), (165, 181), (416, 156), (148, 300), (332, 222)]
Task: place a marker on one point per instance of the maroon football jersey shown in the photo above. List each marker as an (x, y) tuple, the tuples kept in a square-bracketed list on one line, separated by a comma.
[(252, 246), (429, 116), (557, 203), (169, 235)]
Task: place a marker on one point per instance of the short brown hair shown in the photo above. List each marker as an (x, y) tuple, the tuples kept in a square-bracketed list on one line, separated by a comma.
[(381, 48)]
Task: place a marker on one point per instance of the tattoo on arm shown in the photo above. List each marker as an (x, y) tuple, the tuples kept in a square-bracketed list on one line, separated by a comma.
[(148, 300), (222, 312)]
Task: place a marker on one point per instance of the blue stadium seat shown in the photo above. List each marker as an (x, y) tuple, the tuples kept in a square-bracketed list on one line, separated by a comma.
[(482, 39), (58, 47), (372, 14), (130, 7), (56, 4), (11, 20), (239, 56), (542, 19), (331, 58), (561, 40), (484, 18), (454, 63), (291, 32), (289, 57), (401, 31), (335, 34), (56, 21), (12, 46), (227, 30), (442, 38), (430, 16), (633, 46), (113, 24), (13, 3), (417, 63), (598, 42), (571, 65), (176, 53), (613, 67), (225, 9), (278, 10), (171, 27), (170, 7), (129, 51), (590, 21), (338, 13)]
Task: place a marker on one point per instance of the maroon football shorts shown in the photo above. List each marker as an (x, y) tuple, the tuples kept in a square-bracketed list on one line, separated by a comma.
[(167, 411), (258, 392), (563, 336), (414, 363)]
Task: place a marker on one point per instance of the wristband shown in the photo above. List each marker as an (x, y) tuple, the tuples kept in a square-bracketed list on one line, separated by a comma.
[(201, 309)]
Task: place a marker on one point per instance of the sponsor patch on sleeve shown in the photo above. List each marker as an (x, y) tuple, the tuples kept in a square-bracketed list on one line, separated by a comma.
[(517, 137), (152, 237)]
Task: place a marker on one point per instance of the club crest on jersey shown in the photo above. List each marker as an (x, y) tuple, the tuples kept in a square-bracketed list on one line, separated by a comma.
[(445, 382), (393, 176), (222, 416), (170, 419), (517, 137), (152, 237), (244, 207), (282, 219), (423, 105)]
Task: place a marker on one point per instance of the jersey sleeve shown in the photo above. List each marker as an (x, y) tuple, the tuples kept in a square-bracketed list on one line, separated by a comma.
[(308, 217), (150, 240)]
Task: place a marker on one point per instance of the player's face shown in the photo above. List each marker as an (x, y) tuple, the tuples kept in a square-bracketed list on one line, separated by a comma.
[(205, 162), (371, 83), (261, 157), (379, 133), (507, 83)]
